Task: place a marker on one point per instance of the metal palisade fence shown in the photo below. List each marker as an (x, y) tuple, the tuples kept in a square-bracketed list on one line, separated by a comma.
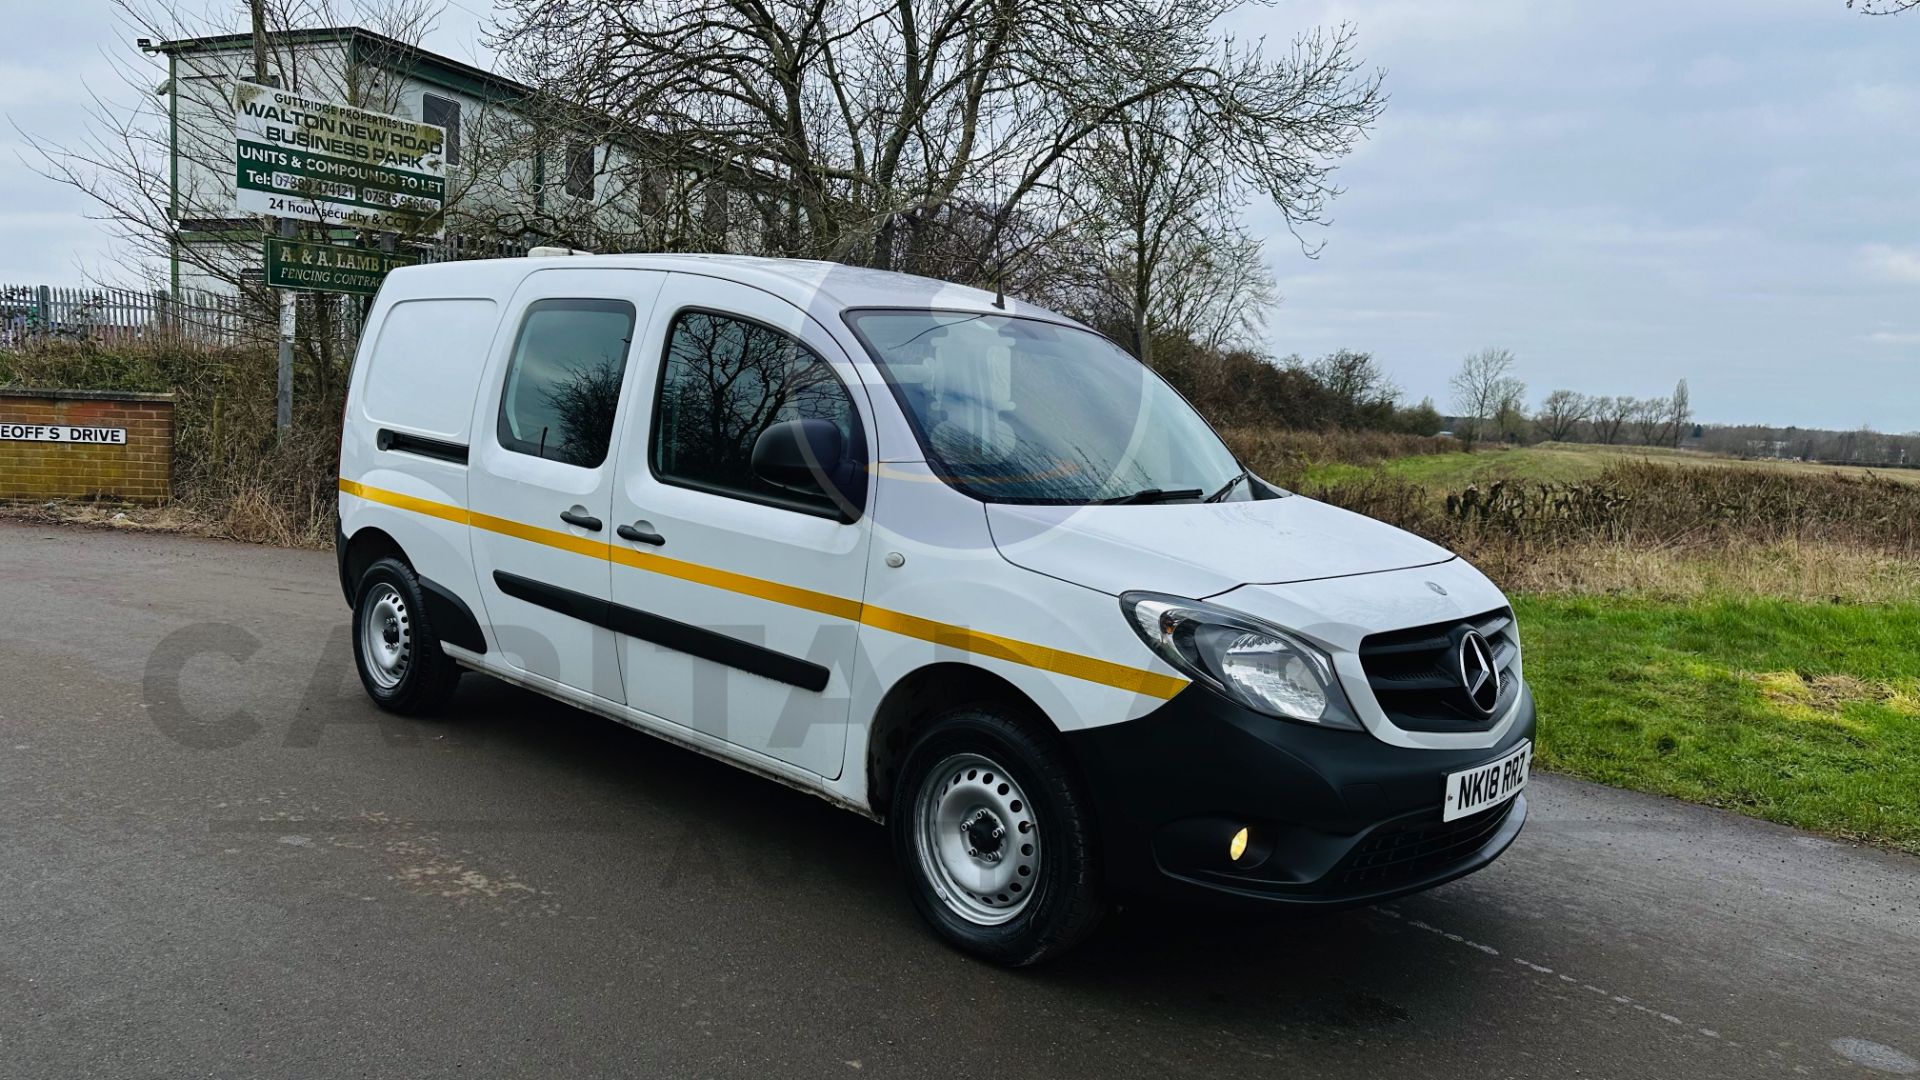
[(454, 247), (30, 313)]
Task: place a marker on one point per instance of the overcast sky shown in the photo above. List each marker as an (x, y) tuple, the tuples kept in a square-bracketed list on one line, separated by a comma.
[(1622, 194)]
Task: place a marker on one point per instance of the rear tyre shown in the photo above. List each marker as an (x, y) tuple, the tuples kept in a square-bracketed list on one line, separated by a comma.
[(394, 645), (996, 838)]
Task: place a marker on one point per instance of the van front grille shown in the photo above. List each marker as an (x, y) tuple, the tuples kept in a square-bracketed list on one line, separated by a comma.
[(1402, 853), (1415, 674)]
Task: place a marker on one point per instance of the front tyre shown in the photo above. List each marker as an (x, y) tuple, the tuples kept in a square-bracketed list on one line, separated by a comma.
[(996, 838), (394, 646)]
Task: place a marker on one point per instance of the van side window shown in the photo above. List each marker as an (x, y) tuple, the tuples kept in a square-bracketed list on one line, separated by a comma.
[(563, 384), (723, 382)]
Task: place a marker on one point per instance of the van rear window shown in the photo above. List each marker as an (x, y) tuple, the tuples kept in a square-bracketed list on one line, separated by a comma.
[(563, 384)]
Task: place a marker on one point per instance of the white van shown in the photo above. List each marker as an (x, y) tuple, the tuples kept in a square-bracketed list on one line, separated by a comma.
[(953, 562)]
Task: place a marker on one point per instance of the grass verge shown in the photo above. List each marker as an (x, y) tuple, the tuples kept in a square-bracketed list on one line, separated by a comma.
[(1800, 713)]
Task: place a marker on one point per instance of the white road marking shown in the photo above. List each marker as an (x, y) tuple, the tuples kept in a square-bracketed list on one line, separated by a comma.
[(1876, 1056), (1542, 969)]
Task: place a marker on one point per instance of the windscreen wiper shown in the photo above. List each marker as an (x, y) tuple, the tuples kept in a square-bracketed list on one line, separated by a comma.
[(1151, 495), (1227, 488)]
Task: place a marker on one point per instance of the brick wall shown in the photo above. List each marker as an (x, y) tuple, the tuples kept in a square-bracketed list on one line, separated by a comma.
[(140, 471)]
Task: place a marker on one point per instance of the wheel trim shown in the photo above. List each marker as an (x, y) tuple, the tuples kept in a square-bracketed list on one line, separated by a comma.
[(977, 839), (386, 636)]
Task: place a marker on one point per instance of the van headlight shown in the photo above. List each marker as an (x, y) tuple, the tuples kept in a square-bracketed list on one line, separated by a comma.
[(1253, 663)]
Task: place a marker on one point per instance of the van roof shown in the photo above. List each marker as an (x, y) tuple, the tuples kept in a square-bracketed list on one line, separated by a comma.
[(823, 289)]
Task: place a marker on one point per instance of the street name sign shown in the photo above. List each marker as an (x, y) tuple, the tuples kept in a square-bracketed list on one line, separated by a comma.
[(292, 264), (331, 164), (63, 433)]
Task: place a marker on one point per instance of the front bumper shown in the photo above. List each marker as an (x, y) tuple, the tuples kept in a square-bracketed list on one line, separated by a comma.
[(1336, 818)]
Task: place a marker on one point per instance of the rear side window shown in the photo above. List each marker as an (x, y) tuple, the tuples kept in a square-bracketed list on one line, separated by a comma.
[(723, 382), (563, 384)]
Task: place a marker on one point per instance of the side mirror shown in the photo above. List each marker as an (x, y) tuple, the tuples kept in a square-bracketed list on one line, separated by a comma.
[(809, 457)]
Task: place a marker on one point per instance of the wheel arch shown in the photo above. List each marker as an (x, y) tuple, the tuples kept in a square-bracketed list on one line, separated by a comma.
[(453, 621), (368, 545), (919, 696)]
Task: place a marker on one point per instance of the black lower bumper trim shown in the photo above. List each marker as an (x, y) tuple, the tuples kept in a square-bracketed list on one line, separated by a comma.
[(1334, 818), (340, 557)]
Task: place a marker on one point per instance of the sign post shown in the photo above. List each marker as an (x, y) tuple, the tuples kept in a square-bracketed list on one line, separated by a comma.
[(283, 384)]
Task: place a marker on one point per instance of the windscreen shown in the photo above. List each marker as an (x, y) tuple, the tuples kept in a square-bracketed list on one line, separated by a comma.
[(1018, 410)]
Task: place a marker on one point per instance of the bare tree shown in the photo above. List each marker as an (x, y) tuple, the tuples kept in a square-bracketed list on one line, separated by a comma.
[(1484, 389), (1649, 418), (1510, 418), (866, 128), (1610, 417), (1151, 192), (1214, 288), (1361, 392), (1679, 413), (1561, 413), (1882, 7)]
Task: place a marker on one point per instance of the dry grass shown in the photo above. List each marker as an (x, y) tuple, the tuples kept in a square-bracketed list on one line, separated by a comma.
[(1600, 455), (1824, 698), (1805, 572), (1649, 506), (1600, 520), (174, 517), (233, 476)]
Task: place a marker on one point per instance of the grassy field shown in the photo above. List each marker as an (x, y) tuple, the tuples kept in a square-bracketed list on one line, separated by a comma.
[(1559, 463), (1805, 714)]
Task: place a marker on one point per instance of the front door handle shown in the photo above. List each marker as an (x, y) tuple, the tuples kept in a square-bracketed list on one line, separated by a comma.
[(639, 536), (580, 519)]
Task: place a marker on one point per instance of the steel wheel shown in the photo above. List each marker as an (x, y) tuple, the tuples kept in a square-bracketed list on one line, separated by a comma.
[(977, 840), (386, 635)]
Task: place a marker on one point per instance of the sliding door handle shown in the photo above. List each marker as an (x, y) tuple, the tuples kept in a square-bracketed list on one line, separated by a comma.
[(639, 536), (580, 519)]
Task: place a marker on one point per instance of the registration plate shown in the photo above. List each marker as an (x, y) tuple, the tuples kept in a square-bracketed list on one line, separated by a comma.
[(1473, 790)]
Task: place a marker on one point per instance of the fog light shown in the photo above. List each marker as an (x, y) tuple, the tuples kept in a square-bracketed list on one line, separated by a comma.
[(1237, 846)]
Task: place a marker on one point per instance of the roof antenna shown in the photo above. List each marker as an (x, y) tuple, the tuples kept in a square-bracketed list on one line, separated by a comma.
[(999, 271), (999, 252)]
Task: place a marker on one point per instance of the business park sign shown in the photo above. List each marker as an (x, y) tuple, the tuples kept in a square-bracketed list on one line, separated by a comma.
[(336, 165)]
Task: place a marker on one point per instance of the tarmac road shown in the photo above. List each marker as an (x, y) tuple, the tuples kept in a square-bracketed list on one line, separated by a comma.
[(232, 865)]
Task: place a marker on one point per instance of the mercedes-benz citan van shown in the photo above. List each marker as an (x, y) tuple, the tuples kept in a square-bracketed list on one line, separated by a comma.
[(951, 561)]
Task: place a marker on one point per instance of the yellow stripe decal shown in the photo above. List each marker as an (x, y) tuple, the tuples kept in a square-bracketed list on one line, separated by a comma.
[(553, 538), (406, 502), (1042, 657), (1092, 669), (791, 595)]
